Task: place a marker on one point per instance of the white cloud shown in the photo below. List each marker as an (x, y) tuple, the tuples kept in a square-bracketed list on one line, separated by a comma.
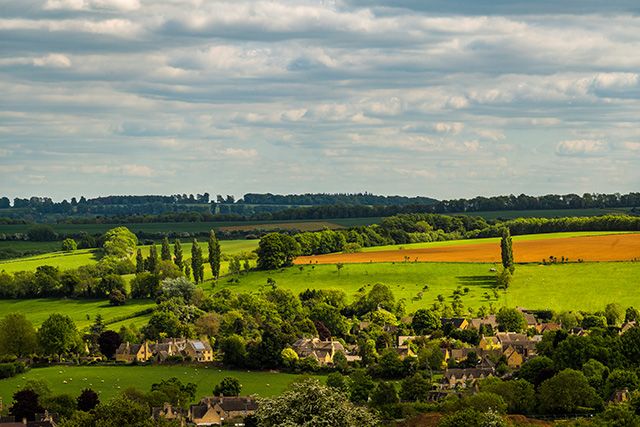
[(582, 147), (53, 60), (118, 5), (239, 153)]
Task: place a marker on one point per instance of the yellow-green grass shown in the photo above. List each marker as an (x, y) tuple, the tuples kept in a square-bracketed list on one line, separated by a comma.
[(525, 237), (579, 286), (110, 380), (71, 260), (83, 312)]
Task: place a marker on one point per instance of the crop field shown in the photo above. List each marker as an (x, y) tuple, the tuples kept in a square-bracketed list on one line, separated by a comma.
[(107, 381), (70, 260), (303, 226), (588, 247), (196, 227), (82, 311), (574, 286), (546, 213)]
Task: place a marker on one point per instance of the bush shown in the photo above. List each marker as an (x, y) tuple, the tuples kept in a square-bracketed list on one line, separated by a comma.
[(8, 370), (69, 245)]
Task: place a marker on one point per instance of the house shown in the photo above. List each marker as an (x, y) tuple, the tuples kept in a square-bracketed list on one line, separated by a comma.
[(45, 419), (213, 411), (628, 325), (163, 350), (620, 396), (129, 353), (541, 328), (322, 351), (405, 351), (167, 412), (489, 320), (455, 323), (489, 343), (513, 356), (199, 350), (520, 342), (463, 378), (529, 317)]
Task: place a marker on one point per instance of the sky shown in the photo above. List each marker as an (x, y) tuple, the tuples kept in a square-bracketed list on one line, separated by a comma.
[(442, 98)]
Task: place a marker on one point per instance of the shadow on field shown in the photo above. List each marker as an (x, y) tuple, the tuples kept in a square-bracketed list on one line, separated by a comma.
[(487, 281)]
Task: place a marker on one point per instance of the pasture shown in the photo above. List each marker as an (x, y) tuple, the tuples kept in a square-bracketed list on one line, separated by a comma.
[(526, 249), (82, 311), (574, 286), (70, 260), (108, 381)]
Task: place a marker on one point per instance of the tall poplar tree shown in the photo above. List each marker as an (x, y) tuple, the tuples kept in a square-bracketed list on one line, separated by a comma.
[(177, 255), (214, 255), (506, 249), (139, 262), (152, 261), (197, 263), (165, 252)]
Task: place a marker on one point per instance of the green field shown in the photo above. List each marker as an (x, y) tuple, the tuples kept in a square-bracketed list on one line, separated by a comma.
[(579, 286), (110, 380), (546, 213), (83, 312), (67, 260), (177, 227)]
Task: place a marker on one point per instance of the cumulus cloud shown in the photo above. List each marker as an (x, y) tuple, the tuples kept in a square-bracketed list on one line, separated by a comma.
[(582, 147)]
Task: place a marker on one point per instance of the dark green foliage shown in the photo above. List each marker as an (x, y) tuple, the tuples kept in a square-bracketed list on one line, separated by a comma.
[(234, 351), (25, 405), (58, 335), (511, 320), (177, 255), (61, 404), (87, 400), (197, 262), (17, 335), (519, 395), (506, 250), (566, 393), (385, 393), (229, 386), (140, 265), (277, 250), (109, 341), (415, 388), (425, 321), (117, 297), (214, 254), (472, 418), (69, 245), (338, 381), (151, 264), (165, 251), (361, 385), (41, 233)]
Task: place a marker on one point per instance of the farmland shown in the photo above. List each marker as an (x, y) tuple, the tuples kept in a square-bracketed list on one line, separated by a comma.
[(574, 246), (197, 227), (109, 380), (574, 286), (69, 260)]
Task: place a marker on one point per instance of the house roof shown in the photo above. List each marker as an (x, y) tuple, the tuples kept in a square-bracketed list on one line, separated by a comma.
[(231, 403), (457, 322), (468, 372), (489, 320)]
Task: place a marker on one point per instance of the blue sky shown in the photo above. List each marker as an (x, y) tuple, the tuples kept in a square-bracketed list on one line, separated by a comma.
[(448, 99)]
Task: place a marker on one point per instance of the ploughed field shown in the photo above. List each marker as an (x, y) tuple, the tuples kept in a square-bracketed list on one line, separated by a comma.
[(608, 247)]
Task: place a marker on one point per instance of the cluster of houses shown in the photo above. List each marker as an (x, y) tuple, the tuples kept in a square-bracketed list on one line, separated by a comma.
[(210, 411), (193, 350)]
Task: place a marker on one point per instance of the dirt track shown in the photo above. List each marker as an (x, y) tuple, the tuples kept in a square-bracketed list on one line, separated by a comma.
[(614, 247)]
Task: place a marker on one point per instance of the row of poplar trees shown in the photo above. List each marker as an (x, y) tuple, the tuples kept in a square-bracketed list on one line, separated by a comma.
[(197, 259)]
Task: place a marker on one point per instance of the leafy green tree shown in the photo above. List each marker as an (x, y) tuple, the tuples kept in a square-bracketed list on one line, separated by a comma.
[(596, 373), (234, 351), (229, 386), (630, 344), (289, 357), (473, 418), (485, 401), (506, 250), (631, 314), (519, 395), (425, 321), (17, 335), (177, 288), (276, 250), (145, 285), (140, 265), (511, 320), (360, 386), (61, 404), (165, 250), (117, 298), (338, 381), (234, 266), (614, 314), (175, 391), (119, 412), (87, 400), (415, 388), (197, 263), (119, 242), (42, 233), (177, 255), (566, 392), (108, 342), (619, 379), (151, 264), (69, 245), (25, 405), (58, 335), (214, 254), (308, 404), (385, 393)]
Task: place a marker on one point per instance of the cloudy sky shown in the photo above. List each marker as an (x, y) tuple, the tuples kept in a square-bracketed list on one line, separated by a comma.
[(445, 98)]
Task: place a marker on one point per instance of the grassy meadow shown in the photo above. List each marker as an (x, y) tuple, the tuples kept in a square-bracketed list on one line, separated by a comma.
[(575, 286), (107, 381)]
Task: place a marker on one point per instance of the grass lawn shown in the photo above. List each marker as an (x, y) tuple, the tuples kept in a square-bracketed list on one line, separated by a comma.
[(110, 380), (584, 286), (83, 312)]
